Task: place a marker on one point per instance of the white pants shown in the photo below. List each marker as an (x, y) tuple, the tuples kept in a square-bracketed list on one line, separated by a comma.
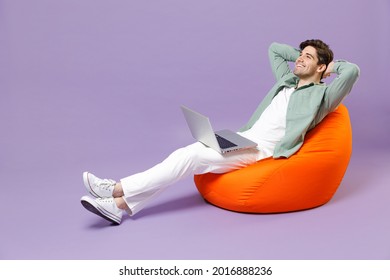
[(196, 158)]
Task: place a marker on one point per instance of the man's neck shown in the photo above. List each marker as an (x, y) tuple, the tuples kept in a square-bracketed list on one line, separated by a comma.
[(304, 82)]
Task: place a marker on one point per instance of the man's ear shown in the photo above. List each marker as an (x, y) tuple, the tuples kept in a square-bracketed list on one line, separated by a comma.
[(321, 68)]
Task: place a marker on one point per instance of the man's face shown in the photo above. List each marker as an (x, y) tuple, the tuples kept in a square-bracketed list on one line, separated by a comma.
[(306, 65)]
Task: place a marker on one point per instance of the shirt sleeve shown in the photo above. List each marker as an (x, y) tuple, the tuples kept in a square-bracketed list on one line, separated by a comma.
[(279, 56), (341, 86)]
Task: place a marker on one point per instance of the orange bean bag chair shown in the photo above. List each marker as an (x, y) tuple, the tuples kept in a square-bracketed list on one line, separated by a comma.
[(307, 179)]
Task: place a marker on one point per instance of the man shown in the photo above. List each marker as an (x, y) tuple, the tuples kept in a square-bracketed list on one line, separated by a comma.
[(297, 103)]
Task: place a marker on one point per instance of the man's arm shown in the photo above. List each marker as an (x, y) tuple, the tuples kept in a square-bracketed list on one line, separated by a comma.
[(347, 74), (279, 56)]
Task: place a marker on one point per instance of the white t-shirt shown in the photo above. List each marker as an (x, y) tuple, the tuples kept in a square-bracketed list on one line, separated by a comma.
[(271, 126)]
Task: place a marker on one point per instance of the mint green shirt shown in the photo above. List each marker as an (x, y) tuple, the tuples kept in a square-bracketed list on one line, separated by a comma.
[(308, 104)]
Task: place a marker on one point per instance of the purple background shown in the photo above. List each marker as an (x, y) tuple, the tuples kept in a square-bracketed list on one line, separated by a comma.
[(83, 84)]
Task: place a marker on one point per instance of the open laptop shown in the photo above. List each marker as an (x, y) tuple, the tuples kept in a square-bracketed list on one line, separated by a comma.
[(222, 141)]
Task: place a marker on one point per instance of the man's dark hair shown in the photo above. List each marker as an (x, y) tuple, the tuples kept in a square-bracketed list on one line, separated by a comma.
[(324, 53)]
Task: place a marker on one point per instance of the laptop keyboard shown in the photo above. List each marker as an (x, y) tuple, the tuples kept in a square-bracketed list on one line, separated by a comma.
[(224, 143)]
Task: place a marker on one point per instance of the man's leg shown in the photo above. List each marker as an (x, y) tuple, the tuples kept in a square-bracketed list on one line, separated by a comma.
[(134, 192), (140, 188)]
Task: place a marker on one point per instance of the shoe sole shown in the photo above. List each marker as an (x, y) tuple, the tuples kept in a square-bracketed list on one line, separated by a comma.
[(95, 208), (88, 185)]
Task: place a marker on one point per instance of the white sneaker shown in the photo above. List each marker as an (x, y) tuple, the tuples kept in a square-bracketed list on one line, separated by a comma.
[(99, 188), (103, 207)]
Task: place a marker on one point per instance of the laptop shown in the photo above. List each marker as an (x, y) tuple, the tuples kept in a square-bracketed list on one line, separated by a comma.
[(223, 141)]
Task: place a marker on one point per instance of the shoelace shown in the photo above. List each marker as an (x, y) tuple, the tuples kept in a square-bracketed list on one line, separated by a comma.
[(106, 200), (106, 184)]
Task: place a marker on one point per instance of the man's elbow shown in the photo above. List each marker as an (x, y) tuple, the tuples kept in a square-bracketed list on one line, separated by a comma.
[(354, 71), (351, 70), (273, 46)]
